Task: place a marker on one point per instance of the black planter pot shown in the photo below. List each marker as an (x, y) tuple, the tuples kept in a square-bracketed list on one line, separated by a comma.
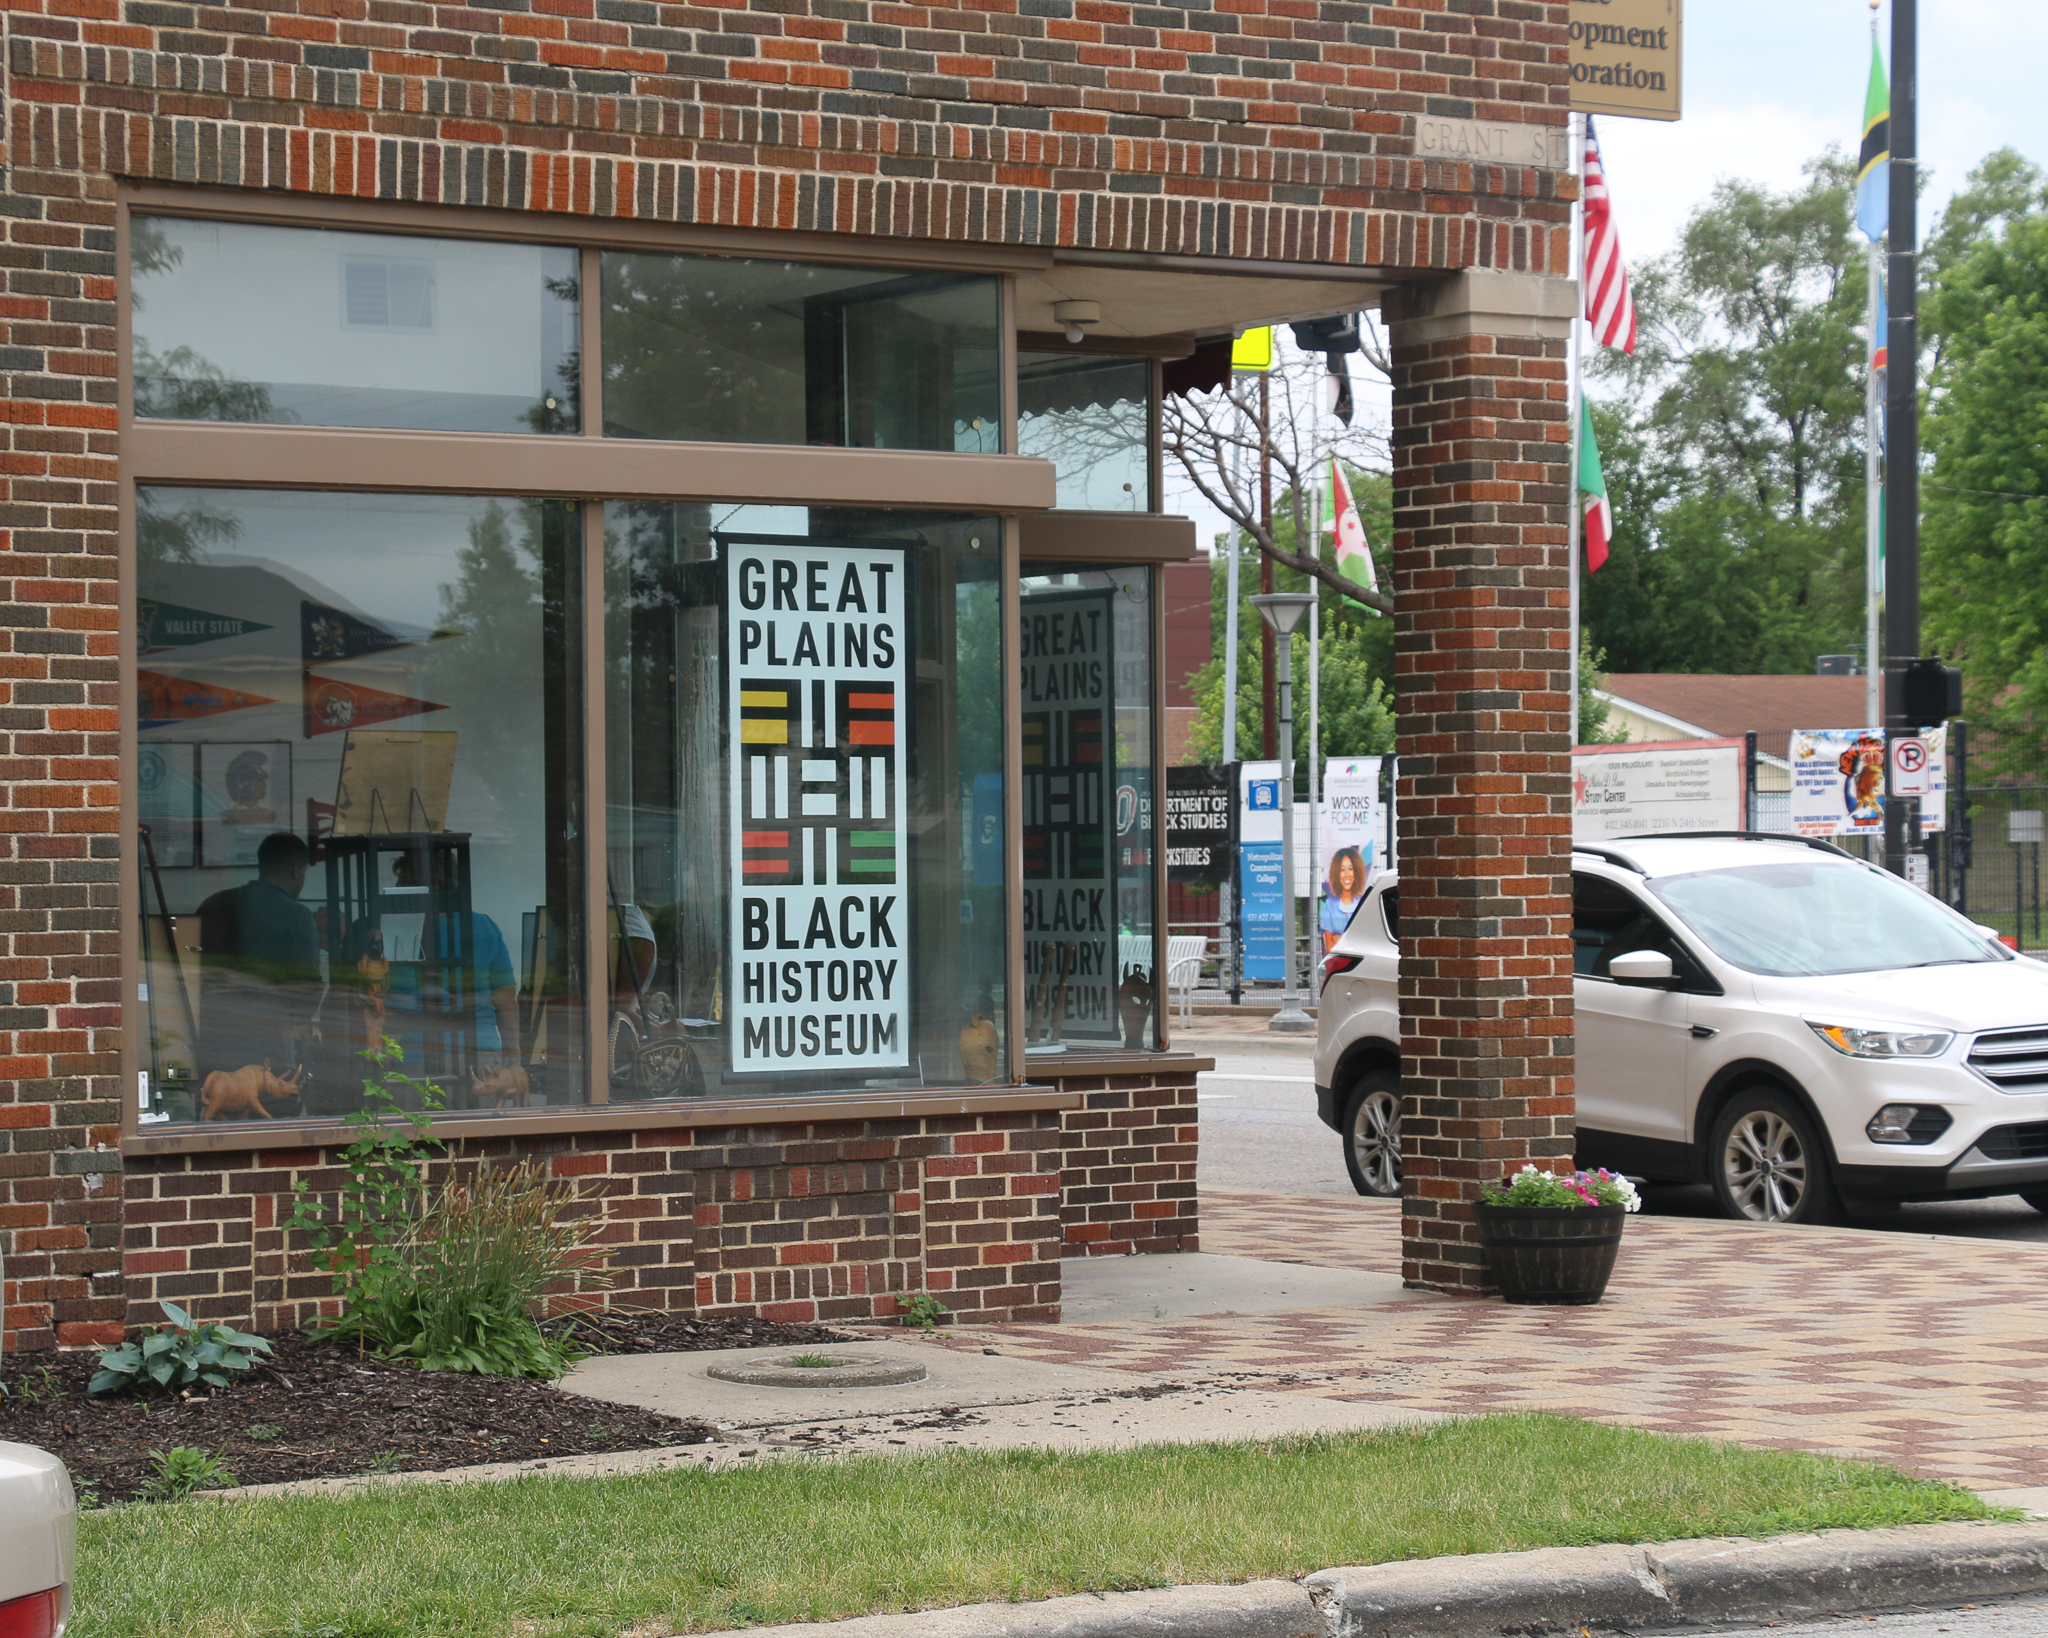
[(1550, 1254)]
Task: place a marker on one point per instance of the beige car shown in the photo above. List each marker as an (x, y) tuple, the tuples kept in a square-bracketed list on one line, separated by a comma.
[(38, 1542), (1768, 1015)]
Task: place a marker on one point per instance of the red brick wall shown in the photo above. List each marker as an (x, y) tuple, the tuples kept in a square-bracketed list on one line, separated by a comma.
[(1263, 129), (823, 1221), (1128, 1171), (1482, 655)]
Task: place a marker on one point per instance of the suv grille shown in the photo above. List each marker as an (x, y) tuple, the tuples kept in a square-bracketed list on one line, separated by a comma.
[(2012, 1059), (2028, 1142)]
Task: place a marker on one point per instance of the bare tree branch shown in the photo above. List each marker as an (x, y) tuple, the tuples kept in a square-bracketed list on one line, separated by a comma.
[(1215, 440)]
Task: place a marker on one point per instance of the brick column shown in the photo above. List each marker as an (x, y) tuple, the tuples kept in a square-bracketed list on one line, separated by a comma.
[(1483, 666)]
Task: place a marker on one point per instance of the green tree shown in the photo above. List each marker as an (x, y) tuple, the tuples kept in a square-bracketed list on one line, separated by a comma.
[(1985, 503), (1735, 461)]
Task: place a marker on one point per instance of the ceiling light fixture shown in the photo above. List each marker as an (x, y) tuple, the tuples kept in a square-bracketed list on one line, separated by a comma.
[(1075, 316)]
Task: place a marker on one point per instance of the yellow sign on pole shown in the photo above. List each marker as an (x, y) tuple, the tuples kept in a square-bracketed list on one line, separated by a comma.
[(1627, 57), (1253, 350)]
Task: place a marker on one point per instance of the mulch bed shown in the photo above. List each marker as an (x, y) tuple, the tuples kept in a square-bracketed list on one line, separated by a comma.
[(315, 1412)]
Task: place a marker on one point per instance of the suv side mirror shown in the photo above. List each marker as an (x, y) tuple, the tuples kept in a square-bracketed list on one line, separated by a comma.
[(1646, 969)]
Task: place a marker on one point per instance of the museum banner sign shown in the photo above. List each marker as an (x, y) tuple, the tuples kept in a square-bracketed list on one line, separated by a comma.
[(817, 680)]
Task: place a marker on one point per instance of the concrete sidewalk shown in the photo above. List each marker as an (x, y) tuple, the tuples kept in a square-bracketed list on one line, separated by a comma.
[(1924, 1352)]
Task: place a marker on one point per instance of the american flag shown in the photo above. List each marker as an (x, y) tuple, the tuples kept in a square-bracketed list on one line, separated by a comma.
[(1609, 308)]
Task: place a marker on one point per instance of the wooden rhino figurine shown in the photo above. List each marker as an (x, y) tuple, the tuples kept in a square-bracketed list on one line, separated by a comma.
[(242, 1091)]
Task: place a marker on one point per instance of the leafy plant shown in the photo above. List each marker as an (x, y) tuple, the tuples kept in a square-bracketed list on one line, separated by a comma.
[(181, 1470), (178, 1355), (377, 1208), (385, 1461), (813, 1362), (922, 1309), (1529, 1187), (261, 1430)]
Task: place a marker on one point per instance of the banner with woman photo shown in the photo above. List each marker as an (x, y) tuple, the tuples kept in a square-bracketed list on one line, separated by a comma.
[(1348, 842)]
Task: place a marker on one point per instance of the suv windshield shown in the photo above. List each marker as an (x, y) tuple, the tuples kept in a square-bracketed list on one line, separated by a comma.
[(1796, 920)]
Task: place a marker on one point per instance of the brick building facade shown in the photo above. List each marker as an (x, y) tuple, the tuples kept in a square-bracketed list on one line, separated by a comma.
[(1186, 168)]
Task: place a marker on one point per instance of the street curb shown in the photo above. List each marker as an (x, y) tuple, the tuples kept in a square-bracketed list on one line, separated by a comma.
[(1683, 1583), (1491, 1595)]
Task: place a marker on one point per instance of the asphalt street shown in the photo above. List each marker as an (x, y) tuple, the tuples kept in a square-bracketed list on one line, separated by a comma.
[(2023, 1618), (1260, 1132)]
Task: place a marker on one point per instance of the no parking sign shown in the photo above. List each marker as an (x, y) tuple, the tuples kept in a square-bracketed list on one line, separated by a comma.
[(1910, 762)]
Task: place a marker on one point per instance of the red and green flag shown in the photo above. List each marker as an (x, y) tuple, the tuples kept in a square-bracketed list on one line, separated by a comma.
[(1599, 516), (1354, 550)]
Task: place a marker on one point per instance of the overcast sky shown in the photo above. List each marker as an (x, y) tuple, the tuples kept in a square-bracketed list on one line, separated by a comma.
[(1770, 83)]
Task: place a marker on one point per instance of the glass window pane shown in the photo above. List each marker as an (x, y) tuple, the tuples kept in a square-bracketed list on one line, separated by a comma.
[(1091, 417), (804, 778), (359, 749), (1090, 961), (237, 322), (728, 350)]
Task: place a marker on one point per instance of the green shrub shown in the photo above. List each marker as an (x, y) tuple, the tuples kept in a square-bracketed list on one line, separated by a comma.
[(178, 1355), (447, 1274), (181, 1470)]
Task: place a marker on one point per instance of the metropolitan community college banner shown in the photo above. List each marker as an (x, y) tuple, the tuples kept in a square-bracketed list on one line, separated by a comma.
[(817, 677)]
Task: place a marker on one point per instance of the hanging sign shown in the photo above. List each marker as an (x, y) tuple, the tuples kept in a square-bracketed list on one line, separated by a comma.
[(1626, 57), (162, 699), (329, 634), (817, 690), (333, 706), (1837, 781), (1200, 834), (1348, 840), (1070, 923), (161, 628), (1657, 788)]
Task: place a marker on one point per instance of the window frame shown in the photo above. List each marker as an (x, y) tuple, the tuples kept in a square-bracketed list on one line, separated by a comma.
[(591, 469)]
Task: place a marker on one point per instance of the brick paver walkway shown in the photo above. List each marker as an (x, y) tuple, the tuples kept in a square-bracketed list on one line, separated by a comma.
[(1927, 1352)]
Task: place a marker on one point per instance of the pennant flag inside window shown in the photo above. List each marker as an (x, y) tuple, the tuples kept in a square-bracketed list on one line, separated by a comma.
[(163, 699), (162, 627), (327, 634), (1599, 517), (1873, 160), (1354, 549), (333, 707)]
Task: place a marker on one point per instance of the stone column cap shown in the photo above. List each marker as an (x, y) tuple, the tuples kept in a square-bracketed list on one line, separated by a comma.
[(1480, 302)]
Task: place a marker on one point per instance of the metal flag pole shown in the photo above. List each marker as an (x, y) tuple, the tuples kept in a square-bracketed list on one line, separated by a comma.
[(1873, 498), (1574, 392), (1902, 419), (1230, 600), (1315, 739)]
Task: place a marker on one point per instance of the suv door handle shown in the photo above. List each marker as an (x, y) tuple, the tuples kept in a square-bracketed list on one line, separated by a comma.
[(1702, 1032)]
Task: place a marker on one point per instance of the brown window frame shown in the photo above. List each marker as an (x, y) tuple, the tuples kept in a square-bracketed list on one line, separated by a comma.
[(590, 469)]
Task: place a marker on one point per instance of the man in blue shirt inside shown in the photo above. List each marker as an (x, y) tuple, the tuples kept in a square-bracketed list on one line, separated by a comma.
[(494, 984)]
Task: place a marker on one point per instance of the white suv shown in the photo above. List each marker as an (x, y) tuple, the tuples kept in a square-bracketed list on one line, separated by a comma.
[(1800, 1029)]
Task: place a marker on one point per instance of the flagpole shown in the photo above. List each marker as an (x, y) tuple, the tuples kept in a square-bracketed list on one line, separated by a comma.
[(1229, 750), (1574, 389), (1873, 499), (1315, 739)]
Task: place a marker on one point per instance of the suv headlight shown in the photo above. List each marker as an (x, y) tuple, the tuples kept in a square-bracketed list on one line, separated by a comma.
[(1857, 1042)]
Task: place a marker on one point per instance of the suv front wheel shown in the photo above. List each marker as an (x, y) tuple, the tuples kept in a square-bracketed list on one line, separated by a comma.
[(1372, 1134), (1766, 1162)]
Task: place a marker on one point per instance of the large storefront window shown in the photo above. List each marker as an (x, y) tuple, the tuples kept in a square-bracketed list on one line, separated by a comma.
[(1091, 958), (804, 790), (755, 352), (359, 771), (1091, 417), (239, 322)]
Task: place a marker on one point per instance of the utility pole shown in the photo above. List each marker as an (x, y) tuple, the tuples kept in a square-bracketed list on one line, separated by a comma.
[(1902, 429), (1269, 726)]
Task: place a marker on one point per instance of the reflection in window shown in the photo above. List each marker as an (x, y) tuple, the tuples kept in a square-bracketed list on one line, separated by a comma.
[(239, 322), (358, 754), (756, 352), (1090, 416), (804, 780), (1090, 963)]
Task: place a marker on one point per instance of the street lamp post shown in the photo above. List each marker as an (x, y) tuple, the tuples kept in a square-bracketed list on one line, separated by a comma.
[(1282, 612)]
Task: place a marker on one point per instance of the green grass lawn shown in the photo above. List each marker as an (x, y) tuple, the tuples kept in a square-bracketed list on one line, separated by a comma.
[(805, 1539)]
